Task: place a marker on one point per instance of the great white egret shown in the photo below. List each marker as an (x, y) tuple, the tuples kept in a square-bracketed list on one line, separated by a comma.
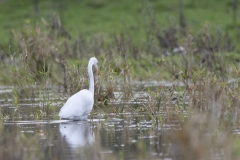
[(79, 105)]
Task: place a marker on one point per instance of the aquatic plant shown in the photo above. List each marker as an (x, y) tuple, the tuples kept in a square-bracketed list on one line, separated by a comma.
[(37, 50), (202, 138)]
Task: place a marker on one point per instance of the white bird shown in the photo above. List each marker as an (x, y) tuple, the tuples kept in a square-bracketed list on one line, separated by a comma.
[(79, 105)]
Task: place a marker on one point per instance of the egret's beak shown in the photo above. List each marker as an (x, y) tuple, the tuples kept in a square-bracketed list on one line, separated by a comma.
[(99, 72), (97, 69)]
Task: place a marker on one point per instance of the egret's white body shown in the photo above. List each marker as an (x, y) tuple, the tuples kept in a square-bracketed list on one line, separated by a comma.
[(79, 105)]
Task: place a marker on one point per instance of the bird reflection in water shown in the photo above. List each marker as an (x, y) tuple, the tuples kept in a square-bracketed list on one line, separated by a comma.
[(77, 134)]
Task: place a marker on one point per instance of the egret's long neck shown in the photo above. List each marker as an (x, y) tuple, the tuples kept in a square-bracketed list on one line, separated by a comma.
[(91, 78)]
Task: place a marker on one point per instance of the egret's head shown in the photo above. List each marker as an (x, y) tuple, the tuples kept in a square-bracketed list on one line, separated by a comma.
[(93, 61)]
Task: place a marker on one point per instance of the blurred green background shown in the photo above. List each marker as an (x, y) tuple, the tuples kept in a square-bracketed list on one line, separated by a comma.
[(90, 17)]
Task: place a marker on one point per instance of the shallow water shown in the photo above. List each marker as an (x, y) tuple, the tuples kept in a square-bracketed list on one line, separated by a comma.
[(31, 128), (128, 135), (128, 138)]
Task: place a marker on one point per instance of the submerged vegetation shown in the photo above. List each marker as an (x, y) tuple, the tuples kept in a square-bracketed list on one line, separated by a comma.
[(172, 71)]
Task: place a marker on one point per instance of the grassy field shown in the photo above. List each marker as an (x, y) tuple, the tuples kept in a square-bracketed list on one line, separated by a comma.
[(97, 26), (108, 17)]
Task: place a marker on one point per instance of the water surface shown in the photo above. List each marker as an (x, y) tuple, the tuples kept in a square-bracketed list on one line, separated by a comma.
[(32, 129)]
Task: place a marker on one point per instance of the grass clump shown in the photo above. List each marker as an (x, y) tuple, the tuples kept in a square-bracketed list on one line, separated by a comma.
[(45, 57)]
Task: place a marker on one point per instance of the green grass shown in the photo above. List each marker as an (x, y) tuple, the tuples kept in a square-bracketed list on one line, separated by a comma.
[(84, 19), (110, 16)]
